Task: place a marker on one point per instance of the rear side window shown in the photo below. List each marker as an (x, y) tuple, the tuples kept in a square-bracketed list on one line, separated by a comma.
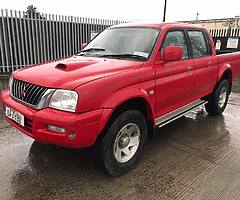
[(176, 38), (199, 45)]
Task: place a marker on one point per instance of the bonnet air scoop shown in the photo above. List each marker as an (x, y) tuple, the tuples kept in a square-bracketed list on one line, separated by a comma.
[(61, 66), (74, 65)]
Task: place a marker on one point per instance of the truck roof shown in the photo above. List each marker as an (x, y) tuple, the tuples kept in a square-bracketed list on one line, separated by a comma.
[(160, 25)]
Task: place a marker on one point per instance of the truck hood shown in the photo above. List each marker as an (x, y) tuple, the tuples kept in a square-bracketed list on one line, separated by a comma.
[(74, 71)]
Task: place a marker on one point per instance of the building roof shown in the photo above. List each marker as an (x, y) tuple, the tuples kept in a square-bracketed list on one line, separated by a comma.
[(159, 25), (214, 20)]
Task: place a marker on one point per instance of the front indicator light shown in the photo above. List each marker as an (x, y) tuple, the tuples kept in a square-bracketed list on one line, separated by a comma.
[(56, 128)]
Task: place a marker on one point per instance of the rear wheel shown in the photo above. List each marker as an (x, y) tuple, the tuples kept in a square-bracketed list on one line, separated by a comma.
[(123, 142), (219, 99)]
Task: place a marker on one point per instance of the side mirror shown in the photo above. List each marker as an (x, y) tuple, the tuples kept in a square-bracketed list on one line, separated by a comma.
[(172, 53), (83, 45)]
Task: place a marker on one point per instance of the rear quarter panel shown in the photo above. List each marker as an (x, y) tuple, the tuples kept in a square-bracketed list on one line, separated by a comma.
[(229, 61)]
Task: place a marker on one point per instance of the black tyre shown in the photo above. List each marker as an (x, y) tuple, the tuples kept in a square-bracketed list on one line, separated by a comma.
[(219, 98), (123, 142)]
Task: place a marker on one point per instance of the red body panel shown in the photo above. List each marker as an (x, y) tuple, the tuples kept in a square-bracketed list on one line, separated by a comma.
[(205, 75), (230, 62), (84, 125), (103, 84), (174, 85), (79, 70)]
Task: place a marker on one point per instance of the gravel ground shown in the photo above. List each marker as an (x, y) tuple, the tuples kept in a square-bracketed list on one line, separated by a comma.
[(195, 157)]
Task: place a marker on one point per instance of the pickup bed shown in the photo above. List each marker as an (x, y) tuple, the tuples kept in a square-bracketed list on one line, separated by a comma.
[(128, 80)]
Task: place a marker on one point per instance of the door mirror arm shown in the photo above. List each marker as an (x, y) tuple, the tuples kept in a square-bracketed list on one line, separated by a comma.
[(159, 60)]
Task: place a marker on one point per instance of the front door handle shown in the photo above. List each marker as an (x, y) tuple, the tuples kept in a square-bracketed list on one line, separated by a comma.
[(189, 68)]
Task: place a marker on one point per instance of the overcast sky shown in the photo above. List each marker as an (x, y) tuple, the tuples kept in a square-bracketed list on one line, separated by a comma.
[(133, 10)]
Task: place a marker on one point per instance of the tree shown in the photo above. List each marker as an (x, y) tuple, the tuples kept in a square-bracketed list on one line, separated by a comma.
[(32, 12)]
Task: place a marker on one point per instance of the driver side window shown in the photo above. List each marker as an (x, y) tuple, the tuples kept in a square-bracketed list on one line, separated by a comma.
[(176, 38)]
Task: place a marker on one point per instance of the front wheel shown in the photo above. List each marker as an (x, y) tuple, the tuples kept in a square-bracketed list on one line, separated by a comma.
[(219, 99), (123, 142)]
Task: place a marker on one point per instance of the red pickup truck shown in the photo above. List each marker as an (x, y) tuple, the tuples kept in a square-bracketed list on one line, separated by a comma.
[(128, 80)]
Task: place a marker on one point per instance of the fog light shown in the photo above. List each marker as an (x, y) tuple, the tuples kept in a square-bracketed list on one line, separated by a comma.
[(57, 129), (72, 135)]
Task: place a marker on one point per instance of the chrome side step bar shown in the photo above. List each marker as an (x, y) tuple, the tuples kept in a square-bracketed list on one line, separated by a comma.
[(169, 117)]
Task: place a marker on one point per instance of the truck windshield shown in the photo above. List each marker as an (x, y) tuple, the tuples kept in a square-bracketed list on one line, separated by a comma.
[(132, 42)]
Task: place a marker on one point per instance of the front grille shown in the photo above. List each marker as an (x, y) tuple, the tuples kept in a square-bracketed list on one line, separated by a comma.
[(26, 92)]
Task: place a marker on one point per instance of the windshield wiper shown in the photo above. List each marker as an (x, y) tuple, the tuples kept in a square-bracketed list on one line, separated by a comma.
[(92, 49), (126, 55)]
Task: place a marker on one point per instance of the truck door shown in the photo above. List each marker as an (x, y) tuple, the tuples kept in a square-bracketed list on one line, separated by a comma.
[(174, 80), (205, 73)]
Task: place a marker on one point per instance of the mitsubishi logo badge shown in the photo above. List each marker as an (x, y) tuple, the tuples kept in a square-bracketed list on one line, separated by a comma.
[(23, 93)]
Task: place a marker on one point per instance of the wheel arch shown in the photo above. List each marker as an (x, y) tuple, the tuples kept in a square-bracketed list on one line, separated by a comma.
[(225, 73), (136, 102)]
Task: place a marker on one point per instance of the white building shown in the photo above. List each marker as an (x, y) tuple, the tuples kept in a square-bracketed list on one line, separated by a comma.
[(226, 27)]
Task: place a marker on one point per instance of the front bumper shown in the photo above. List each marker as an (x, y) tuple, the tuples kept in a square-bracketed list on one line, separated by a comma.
[(84, 125)]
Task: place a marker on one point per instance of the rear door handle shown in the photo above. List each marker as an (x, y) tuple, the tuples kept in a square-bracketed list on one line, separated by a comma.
[(209, 63)]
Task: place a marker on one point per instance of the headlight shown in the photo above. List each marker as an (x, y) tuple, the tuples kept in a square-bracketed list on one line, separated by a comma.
[(64, 100), (10, 84)]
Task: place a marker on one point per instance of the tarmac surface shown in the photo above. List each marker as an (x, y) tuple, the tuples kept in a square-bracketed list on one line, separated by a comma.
[(196, 157)]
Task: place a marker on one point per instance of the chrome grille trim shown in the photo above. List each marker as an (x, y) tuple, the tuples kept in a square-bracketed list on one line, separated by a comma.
[(27, 93)]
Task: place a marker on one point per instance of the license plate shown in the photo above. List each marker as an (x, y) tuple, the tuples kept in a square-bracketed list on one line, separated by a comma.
[(14, 115)]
